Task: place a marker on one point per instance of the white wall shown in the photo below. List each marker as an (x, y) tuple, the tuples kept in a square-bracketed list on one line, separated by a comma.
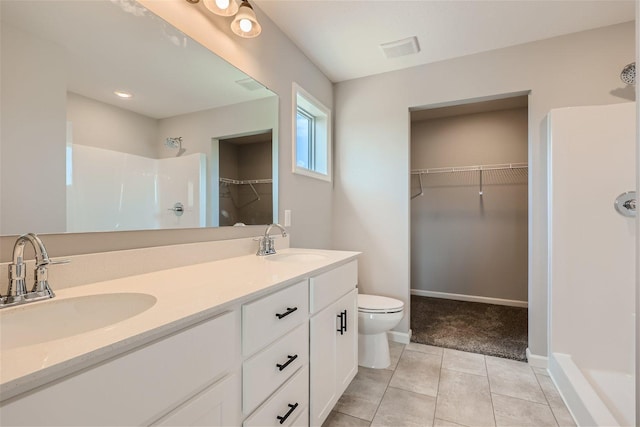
[(371, 203), (33, 93), (463, 243), (101, 125)]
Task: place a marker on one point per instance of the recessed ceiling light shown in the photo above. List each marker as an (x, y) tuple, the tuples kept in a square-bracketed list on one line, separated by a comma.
[(122, 94)]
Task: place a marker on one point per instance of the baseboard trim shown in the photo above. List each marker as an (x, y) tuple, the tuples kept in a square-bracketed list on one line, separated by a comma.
[(537, 361), (399, 337), (471, 298)]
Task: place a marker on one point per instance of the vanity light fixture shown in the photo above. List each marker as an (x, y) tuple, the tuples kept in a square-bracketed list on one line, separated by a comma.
[(123, 94), (245, 24), (221, 7)]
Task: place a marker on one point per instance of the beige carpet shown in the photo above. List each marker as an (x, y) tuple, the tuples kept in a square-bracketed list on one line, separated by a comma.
[(489, 329)]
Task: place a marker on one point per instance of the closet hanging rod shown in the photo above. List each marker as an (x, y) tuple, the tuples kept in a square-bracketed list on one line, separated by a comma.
[(501, 166), (246, 181)]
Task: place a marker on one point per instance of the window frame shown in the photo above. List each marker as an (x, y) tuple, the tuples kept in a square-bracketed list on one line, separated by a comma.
[(320, 117)]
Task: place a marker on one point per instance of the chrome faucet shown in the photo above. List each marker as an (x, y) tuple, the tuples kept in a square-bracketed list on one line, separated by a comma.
[(266, 245), (17, 290)]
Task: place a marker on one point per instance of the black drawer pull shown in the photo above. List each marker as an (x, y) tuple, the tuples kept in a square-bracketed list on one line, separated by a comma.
[(345, 321), (285, 364), (286, 313), (291, 409)]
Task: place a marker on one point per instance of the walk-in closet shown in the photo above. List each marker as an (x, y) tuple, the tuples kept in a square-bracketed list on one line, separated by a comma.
[(245, 182), (469, 226)]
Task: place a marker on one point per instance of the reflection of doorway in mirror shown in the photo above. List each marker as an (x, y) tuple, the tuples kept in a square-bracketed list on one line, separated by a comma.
[(245, 180)]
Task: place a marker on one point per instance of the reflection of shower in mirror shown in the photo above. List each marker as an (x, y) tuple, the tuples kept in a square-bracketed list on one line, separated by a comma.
[(175, 143)]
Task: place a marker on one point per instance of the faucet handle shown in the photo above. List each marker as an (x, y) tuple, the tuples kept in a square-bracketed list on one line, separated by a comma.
[(59, 261), (41, 285)]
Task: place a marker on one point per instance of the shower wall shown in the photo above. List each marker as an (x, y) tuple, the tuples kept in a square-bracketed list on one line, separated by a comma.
[(592, 261), (110, 190), (461, 243)]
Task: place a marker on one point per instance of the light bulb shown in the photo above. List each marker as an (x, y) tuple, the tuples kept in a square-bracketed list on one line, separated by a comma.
[(222, 4), (245, 25)]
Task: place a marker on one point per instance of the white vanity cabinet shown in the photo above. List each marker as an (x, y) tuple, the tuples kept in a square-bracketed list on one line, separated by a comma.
[(187, 374), (333, 335), (280, 357), (275, 346)]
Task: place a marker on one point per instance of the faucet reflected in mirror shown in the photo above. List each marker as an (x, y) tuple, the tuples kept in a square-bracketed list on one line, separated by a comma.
[(17, 289)]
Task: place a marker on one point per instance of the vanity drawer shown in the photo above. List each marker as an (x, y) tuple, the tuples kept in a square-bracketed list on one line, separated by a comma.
[(328, 287), (268, 318), (291, 401), (261, 375)]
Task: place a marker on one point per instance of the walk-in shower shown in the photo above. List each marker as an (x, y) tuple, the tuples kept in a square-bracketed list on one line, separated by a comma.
[(592, 261)]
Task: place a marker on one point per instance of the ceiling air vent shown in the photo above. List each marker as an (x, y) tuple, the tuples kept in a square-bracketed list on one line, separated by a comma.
[(402, 47), (249, 84)]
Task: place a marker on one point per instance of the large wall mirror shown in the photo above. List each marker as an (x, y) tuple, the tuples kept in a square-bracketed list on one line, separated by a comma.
[(114, 120)]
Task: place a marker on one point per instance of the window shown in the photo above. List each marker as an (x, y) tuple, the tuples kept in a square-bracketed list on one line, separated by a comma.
[(311, 136)]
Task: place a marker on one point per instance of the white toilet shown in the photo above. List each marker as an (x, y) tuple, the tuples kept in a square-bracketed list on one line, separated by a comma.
[(376, 316)]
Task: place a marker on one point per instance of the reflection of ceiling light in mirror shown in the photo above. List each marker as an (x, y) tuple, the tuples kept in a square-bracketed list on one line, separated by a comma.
[(123, 94), (245, 24), (221, 7)]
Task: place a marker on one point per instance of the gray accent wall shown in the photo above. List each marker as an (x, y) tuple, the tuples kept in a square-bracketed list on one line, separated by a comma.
[(463, 243)]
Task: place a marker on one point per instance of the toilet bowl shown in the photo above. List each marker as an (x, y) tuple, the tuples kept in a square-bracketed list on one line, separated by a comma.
[(376, 316)]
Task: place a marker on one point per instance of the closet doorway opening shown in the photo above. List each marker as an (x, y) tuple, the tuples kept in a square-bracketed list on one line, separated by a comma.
[(469, 226), (245, 187)]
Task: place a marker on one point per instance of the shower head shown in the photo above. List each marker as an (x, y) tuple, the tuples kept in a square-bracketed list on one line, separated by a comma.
[(174, 142), (628, 74)]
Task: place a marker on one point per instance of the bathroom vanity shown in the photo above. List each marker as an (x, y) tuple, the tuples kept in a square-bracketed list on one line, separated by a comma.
[(248, 340)]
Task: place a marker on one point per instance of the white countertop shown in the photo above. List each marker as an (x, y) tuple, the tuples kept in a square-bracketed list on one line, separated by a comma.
[(185, 296)]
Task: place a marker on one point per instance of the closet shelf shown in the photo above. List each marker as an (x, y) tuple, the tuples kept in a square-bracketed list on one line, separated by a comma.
[(477, 168), (501, 166), (246, 181)]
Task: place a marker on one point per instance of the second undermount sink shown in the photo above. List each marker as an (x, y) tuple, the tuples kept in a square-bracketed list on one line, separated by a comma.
[(54, 319), (297, 257)]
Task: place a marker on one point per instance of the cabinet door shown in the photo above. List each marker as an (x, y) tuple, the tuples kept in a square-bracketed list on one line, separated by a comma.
[(322, 359), (347, 342), (219, 405)]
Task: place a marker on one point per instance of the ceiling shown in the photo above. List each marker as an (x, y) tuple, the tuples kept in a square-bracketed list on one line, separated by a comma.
[(119, 45), (342, 37)]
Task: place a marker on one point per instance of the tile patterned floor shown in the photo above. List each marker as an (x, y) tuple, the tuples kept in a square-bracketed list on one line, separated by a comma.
[(432, 386)]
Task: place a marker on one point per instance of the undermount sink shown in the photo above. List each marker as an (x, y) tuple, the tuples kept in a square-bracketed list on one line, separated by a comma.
[(54, 319), (300, 257)]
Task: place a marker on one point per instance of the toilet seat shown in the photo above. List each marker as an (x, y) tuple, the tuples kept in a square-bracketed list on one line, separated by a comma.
[(378, 304)]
